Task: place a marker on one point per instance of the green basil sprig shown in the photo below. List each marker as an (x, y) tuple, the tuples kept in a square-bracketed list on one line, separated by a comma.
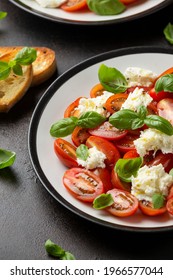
[(65, 127), (102, 201), (56, 251), (168, 32), (126, 168), (106, 7), (158, 200), (7, 158), (25, 56), (82, 152), (112, 79), (164, 83), (2, 14), (128, 119)]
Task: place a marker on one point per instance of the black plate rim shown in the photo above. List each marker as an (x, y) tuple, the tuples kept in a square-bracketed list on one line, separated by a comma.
[(38, 111)]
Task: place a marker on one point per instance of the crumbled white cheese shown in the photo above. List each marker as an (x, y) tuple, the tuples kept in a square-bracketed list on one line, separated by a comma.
[(94, 104), (50, 3), (95, 159), (136, 76), (139, 97), (151, 180), (153, 140)]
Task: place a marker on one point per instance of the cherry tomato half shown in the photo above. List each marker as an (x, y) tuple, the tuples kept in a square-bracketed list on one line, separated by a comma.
[(157, 96), (105, 175), (169, 205), (125, 204), (97, 90), (127, 2), (83, 184), (147, 209), (165, 159), (170, 195), (165, 109), (70, 110), (106, 130), (131, 154), (114, 102), (74, 5), (127, 143), (79, 135), (66, 152), (106, 147), (118, 183)]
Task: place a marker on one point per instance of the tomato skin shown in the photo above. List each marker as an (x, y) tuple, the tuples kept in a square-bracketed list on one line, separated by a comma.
[(127, 2), (83, 184), (131, 154), (126, 144), (167, 71), (105, 175), (118, 184), (97, 90), (169, 205), (165, 108), (74, 5), (106, 147), (114, 102), (157, 96), (79, 135), (125, 204), (147, 209), (170, 195), (70, 110), (165, 159), (66, 152), (107, 131)]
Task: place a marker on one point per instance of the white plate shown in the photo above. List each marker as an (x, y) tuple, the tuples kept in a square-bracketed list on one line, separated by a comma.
[(72, 84), (133, 11)]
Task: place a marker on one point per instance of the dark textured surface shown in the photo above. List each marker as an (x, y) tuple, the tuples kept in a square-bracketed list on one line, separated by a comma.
[(28, 214)]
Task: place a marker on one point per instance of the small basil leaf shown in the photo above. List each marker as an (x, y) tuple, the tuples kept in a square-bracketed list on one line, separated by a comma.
[(126, 119), (102, 201), (112, 79), (106, 7), (2, 14), (26, 56), (82, 152), (125, 168), (5, 70), (68, 256), (171, 172), (142, 112), (159, 123), (63, 127), (164, 83), (158, 200), (7, 158), (53, 249), (17, 69), (168, 32), (90, 119)]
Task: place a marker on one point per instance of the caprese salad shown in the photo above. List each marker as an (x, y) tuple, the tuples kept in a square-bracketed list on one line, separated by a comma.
[(120, 157)]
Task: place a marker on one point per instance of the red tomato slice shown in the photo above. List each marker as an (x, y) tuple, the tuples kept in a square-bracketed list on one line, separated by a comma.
[(165, 159), (118, 184), (105, 175), (125, 204), (147, 209), (157, 96), (83, 184), (165, 109), (170, 195), (114, 102), (79, 135), (106, 147), (97, 90), (106, 130), (167, 71), (169, 205), (66, 152), (70, 110), (74, 5), (126, 144), (127, 2), (131, 154)]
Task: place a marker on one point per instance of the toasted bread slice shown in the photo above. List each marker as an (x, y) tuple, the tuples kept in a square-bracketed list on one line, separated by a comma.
[(14, 87), (43, 67)]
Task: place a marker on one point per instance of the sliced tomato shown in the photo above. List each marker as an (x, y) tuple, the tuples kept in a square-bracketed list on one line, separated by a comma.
[(131, 154), (167, 71), (79, 135), (147, 209), (74, 5), (165, 159), (97, 90), (106, 130), (105, 175), (83, 184), (114, 102), (66, 152), (127, 2), (131, 89), (127, 143), (70, 110), (165, 109), (157, 96), (170, 195), (125, 204), (152, 108), (118, 183), (106, 147), (169, 205)]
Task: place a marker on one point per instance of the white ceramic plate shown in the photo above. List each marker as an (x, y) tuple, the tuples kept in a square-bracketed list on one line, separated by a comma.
[(133, 11), (74, 83)]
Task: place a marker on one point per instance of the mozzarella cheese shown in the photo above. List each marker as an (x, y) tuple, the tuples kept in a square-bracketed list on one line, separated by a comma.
[(95, 159), (50, 3), (153, 140), (94, 104), (136, 99), (151, 180), (136, 76)]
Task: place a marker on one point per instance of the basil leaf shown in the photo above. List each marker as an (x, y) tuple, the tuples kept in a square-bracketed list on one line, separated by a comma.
[(26, 56), (125, 168), (67, 256), (82, 152), (164, 83), (142, 112), (171, 172), (17, 69), (112, 79), (159, 123), (7, 158), (168, 32), (106, 7), (102, 201), (63, 127), (90, 119), (126, 119), (5, 70), (2, 14), (158, 200), (56, 251)]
